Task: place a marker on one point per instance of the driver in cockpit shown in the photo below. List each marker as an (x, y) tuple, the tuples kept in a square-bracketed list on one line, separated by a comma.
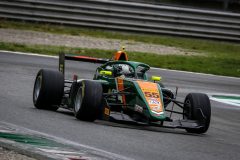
[(124, 70)]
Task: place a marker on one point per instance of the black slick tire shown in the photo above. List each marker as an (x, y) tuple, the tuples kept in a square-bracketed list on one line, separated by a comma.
[(48, 89), (88, 101), (197, 107)]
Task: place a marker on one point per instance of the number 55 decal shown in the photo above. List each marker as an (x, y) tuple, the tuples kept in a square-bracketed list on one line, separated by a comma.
[(151, 94)]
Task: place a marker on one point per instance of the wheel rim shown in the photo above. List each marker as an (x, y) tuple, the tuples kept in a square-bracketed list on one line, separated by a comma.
[(78, 100), (187, 110), (37, 88)]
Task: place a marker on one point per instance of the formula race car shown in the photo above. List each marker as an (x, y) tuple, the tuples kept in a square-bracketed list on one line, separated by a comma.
[(120, 92)]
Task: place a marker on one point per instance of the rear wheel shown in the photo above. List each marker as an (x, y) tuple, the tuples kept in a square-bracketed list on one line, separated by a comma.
[(197, 107), (48, 89), (88, 101)]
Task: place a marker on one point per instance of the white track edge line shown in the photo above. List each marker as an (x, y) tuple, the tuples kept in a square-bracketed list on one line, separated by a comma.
[(204, 74), (28, 54)]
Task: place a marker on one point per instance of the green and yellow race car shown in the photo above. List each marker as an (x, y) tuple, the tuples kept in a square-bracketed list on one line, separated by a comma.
[(120, 91)]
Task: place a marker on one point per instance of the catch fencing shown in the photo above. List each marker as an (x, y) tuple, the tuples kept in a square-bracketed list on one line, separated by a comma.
[(127, 16)]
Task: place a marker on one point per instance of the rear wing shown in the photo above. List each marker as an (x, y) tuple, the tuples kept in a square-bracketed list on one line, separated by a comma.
[(63, 57)]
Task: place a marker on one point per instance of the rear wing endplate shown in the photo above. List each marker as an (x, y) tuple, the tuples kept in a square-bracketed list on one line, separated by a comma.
[(63, 57)]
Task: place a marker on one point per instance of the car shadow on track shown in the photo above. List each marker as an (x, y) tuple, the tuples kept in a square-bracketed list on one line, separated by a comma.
[(136, 126), (65, 112), (148, 128)]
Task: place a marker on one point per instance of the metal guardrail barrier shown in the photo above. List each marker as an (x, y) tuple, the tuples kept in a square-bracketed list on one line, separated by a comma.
[(125, 16)]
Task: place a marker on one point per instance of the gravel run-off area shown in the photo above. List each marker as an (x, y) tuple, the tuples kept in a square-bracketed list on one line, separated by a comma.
[(11, 155), (42, 38)]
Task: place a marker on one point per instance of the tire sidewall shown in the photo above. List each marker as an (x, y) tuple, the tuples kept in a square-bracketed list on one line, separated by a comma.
[(51, 90), (198, 103), (91, 100)]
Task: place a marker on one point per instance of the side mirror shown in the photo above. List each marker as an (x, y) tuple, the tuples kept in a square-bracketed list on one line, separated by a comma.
[(156, 78), (106, 73)]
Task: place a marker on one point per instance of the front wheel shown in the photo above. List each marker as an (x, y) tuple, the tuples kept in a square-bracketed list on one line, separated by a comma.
[(48, 89), (197, 107), (88, 101)]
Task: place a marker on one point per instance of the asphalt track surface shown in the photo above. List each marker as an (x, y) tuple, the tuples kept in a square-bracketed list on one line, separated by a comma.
[(221, 142)]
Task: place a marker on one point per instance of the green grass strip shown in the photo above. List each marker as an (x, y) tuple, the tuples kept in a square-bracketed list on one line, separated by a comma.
[(227, 97), (227, 66), (29, 139)]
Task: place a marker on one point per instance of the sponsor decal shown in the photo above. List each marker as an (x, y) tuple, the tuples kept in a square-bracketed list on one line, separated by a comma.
[(153, 101), (138, 108), (120, 88), (61, 68), (156, 108), (106, 111), (151, 93)]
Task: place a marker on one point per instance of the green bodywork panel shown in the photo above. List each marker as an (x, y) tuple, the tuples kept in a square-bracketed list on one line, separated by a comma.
[(109, 84)]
